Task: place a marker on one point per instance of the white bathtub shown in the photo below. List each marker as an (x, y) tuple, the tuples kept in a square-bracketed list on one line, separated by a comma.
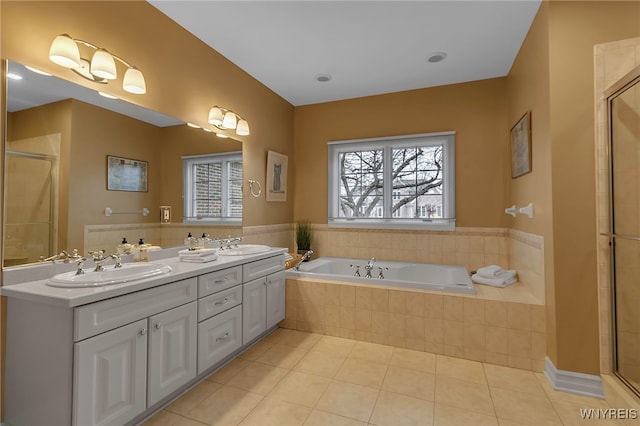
[(423, 276)]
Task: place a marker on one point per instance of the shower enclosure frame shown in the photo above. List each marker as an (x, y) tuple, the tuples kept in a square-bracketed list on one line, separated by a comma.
[(625, 83)]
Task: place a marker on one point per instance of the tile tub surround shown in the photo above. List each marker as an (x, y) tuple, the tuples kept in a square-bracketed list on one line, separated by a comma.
[(480, 328), (295, 378)]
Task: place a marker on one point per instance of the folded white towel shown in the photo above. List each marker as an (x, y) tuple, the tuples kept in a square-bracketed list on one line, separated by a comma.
[(508, 278), (490, 271), (197, 253), (199, 259)]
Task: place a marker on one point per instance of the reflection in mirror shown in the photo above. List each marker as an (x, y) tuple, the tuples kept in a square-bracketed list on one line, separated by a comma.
[(58, 138)]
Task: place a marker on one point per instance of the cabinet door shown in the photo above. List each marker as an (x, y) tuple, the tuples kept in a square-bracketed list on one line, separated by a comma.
[(218, 337), (172, 350), (275, 298), (254, 309), (110, 376)]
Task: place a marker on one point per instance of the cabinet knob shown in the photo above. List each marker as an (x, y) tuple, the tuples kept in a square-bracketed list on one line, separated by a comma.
[(157, 326), (143, 331), (223, 338), (221, 303), (220, 281)]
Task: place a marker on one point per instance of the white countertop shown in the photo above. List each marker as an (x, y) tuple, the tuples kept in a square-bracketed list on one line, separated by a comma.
[(38, 291)]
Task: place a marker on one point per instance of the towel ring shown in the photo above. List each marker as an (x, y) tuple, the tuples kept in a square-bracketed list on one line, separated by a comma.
[(251, 183)]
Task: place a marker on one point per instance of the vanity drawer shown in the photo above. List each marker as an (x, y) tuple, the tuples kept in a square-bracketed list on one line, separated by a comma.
[(260, 268), (96, 318), (219, 302), (218, 337), (214, 282)]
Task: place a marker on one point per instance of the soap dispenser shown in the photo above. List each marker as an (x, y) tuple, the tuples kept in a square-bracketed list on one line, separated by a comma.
[(142, 251), (190, 242), (124, 247)]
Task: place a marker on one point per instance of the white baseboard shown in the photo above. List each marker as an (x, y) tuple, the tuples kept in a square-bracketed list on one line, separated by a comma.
[(572, 382)]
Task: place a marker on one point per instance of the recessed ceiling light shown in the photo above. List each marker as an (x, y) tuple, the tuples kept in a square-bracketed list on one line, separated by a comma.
[(106, 95), (195, 126), (221, 136), (323, 78), (436, 57), (207, 130), (13, 76)]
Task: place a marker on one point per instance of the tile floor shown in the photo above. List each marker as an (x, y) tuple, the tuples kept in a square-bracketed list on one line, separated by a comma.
[(297, 378)]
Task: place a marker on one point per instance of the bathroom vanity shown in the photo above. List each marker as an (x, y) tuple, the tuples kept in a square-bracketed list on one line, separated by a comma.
[(116, 353)]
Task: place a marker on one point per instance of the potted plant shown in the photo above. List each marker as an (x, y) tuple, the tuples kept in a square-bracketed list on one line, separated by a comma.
[(303, 236)]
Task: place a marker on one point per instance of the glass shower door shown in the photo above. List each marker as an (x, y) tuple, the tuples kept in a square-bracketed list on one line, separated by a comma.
[(624, 127)]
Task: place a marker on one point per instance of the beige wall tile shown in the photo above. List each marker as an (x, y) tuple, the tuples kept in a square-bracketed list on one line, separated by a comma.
[(496, 339), (332, 294), (380, 300), (415, 304), (498, 359), (380, 323), (495, 313), (397, 301), (519, 343), (332, 316), (363, 298), (397, 325), (347, 296), (474, 337), (453, 308), (519, 316), (473, 311), (433, 306), (415, 327), (363, 320), (454, 333)]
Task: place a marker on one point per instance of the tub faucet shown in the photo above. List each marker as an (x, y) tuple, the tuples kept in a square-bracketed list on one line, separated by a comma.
[(304, 257), (369, 267)]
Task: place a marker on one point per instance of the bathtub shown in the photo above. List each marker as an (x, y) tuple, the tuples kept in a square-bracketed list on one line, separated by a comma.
[(421, 276)]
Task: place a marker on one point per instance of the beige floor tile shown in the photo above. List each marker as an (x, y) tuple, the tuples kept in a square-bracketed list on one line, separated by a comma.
[(446, 415), (348, 400), (228, 406), (186, 402), (293, 338), (282, 356), (334, 345), (185, 421), (513, 378), (320, 363), (398, 410), (518, 406), (228, 371), (362, 372), (300, 388), (256, 350), (503, 422), (320, 418), (258, 378), (405, 381), (372, 352), (415, 360), (463, 394), (271, 412), (458, 368), (163, 418)]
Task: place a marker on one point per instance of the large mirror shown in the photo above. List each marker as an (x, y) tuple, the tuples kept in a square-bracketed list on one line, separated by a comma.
[(58, 139)]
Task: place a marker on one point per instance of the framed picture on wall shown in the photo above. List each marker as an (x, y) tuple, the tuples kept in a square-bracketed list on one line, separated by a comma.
[(521, 146), (125, 174), (276, 176)]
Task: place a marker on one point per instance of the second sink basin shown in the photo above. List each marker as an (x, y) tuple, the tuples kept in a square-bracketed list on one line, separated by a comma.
[(129, 272), (244, 249)]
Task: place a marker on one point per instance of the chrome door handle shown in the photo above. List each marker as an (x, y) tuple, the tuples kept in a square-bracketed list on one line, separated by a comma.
[(221, 303)]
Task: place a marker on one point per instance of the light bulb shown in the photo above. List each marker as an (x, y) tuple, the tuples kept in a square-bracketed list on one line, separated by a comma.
[(230, 120), (134, 81), (215, 116), (103, 65), (243, 128)]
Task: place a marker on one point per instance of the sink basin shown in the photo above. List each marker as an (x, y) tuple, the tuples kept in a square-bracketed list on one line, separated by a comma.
[(244, 249), (129, 272)]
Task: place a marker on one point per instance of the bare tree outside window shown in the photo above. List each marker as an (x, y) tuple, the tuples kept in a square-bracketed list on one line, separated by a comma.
[(416, 182)]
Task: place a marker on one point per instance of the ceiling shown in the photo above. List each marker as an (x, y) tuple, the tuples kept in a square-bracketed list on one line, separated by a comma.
[(366, 47)]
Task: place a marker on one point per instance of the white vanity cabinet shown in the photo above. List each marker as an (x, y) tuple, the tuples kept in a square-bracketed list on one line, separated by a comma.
[(263, 298), (112, 357), (121, 372)]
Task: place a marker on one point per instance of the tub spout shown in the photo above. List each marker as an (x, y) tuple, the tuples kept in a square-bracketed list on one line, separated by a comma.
[(304, 257)]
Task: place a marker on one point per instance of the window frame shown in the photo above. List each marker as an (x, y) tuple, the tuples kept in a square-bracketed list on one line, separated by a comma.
[(188, 180), (446, 139)]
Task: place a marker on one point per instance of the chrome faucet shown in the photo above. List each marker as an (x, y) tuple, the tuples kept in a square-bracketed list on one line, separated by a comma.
[(304, 257), (99, 258), (63, 256), (369, 267)]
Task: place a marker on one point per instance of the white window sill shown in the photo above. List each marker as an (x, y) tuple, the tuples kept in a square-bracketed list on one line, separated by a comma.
[(213, 222), (418, 224)]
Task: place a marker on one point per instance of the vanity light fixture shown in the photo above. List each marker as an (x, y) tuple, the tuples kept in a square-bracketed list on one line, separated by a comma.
[(225, 119), (65, 52)]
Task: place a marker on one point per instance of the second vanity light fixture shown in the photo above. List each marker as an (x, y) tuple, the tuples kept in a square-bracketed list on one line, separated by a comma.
[(225, 119), (64, 51)]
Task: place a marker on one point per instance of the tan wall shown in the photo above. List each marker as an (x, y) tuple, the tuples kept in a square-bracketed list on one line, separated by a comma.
[(574, 29), (477, 111), (184, 76), (528, 90)]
